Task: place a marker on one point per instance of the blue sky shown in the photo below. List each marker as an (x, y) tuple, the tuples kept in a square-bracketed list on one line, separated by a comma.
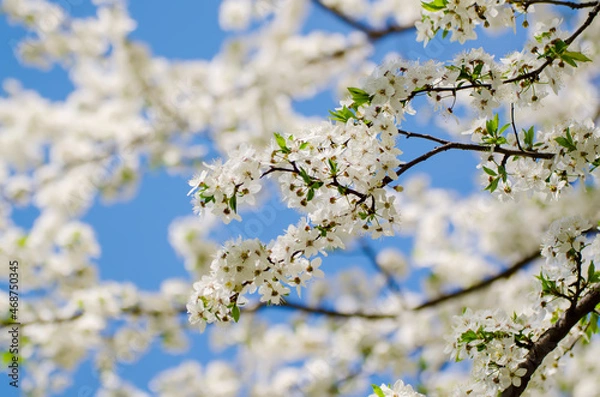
[(133, 235)]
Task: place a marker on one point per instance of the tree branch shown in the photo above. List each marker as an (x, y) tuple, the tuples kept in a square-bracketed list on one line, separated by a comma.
[(483, 283), (320, 310), (571, 4), (552, 337), (389, 278), (534, 74), (450, 145), (373, 34)]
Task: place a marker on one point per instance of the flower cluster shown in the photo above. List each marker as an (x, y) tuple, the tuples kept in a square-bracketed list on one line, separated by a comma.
[(398, 390), (570, 260), (245, 266), (574, 152), (462, 17), (496, 343)]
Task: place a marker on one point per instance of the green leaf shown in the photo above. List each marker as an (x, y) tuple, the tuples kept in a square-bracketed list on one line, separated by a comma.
[(560, 46), (311, 194), (502, 172), (578, 56), (504, 127), (564, 142), (235, 313), (343, 115), (493, 185), (501, 140), (281, 142), (377, 390), (539, 38), (435, 5), (489, 171), (6, 358), (491, 126), (22, 241), (233, 203), (304, 145), (528, 137), (357, 92), (445, 33), (305, 177), (332, 166), (591, 271), (359, 97), (477, 70), (593, 276), (568, 60)]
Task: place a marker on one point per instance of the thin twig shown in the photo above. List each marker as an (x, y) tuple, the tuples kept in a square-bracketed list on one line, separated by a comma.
[(573, 5), (320, 310), (372, 34), (514, 127), (389, 278), (483, 283)]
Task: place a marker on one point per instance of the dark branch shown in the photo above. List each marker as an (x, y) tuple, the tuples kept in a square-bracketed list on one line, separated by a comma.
[(534, 74), (514, 127), (573, 5), (552, 337), (320, 310), (482, 284), (449, 145), (389, 278), (373, 34)]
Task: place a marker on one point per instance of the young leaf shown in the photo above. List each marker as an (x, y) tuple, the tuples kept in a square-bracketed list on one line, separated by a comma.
[(305, 177), (491, 126), (343, 115), (359, 97), (377, 390), (332, 166), (281, 142), (528, 137), (489, 171), (564, 142), (435, 5), (235, 313), (493, 185), (504, 127), (578, 56), (233, 202)]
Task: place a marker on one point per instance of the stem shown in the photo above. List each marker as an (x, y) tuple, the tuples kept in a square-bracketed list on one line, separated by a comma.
[(483, 283), (552, 337), (372, 34)]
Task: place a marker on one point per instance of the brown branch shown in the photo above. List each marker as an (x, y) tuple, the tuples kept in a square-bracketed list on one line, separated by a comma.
[(372, 256), (320, 310), (450, 145), (479, 148), (534, 74), (552, 337), (372, 34), (508, 272), (482, 284), (573, 5)]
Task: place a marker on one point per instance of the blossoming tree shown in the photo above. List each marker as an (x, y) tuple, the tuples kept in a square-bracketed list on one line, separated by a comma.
[(499, 293)]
